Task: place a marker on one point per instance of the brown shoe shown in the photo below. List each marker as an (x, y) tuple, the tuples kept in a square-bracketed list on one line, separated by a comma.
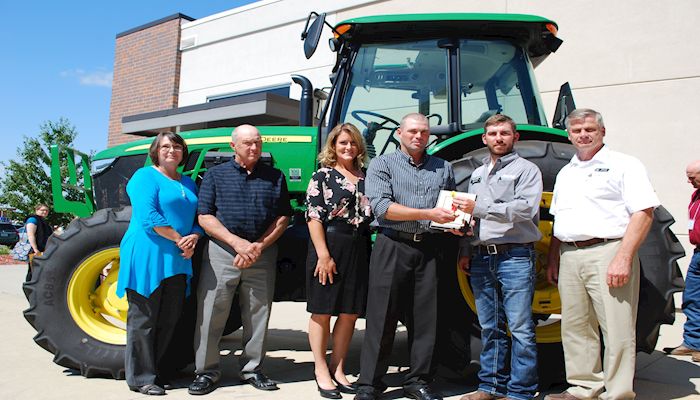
[(478, 395), (696, 356), (681, 350), (561, 396)]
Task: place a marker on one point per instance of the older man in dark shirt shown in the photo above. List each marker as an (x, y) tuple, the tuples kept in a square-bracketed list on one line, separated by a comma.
[(403, 188), (244, 207)]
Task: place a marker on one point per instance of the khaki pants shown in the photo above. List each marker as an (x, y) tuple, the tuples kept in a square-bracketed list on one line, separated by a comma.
[(587, 304)]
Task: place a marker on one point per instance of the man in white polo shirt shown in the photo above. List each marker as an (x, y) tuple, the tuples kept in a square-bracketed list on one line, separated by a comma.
[(603, 207)]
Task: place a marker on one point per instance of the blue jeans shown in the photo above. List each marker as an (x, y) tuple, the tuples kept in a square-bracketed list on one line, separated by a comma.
[(503, 285), (691, 304)]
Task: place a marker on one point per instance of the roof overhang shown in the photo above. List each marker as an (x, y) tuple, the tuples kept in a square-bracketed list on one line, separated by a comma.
[(254, 109)]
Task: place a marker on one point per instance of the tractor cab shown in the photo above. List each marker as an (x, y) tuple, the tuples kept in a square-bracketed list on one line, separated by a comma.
[(457, 69)]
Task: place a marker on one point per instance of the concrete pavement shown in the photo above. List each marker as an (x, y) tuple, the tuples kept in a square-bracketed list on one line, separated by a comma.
[(29, 372)]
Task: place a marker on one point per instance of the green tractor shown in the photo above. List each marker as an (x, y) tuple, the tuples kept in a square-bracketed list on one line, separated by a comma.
[(458, 69)]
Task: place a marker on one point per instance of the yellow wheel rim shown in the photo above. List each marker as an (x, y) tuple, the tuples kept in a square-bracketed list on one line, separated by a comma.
[(546, 300), (92, 298)]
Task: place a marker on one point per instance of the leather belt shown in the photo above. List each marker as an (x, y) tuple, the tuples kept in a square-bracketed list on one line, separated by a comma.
[(405, 236), (492, 249), (579, 244)]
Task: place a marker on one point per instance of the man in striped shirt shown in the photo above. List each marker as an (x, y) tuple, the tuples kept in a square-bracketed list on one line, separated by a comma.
[(403, 188)]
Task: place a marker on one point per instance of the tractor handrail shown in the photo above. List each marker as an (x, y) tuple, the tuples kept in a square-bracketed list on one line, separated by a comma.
[(59, 182)]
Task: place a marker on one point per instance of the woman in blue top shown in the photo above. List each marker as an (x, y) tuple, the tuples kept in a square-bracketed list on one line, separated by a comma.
[(156, 266)]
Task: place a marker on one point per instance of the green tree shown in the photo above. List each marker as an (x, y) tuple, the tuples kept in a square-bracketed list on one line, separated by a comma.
[(27, 179)]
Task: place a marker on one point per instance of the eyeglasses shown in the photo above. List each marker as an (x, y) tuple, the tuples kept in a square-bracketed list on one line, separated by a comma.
[(166, 148)]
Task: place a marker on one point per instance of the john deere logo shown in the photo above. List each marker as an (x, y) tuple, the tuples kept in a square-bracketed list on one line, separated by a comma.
[(286, 139)]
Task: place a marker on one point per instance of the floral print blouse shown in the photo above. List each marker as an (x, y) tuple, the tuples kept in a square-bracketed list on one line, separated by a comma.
[(332, 197)]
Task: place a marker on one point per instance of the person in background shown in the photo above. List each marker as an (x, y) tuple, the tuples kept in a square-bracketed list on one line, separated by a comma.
[(691, 293), (38, 232), (338, 215), (155, 260)]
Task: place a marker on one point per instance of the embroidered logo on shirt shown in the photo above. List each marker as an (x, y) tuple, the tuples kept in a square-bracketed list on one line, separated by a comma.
[(602, 169), (475, 180)]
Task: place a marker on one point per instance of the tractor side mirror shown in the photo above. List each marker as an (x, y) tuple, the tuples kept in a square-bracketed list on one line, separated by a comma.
[(312, 34), (565, 105)]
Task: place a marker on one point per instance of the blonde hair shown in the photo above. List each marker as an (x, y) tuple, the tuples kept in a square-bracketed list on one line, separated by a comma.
[(327, 156)]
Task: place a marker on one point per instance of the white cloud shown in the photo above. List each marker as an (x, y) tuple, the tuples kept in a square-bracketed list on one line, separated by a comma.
[(90, 78)]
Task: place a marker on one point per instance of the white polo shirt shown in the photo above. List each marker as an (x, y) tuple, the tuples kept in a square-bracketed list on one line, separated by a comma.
[(595, 198)]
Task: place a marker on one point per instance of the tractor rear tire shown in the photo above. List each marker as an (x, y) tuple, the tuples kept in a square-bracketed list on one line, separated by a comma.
[(660, 274)]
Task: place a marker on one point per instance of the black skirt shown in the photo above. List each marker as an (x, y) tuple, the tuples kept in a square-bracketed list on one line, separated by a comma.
[(348, 293)]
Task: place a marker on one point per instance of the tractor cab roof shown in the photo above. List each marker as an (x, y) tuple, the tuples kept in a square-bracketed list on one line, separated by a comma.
[(534, 33)]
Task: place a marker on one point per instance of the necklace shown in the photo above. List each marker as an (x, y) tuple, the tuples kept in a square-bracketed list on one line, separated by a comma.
[(182, 190), (175, 181)]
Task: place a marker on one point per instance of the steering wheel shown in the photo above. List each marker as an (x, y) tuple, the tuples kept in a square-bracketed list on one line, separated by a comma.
[(356, 114), (373, 127), (438, 116)]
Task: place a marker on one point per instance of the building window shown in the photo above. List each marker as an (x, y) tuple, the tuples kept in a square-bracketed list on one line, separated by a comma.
[(281, 90)]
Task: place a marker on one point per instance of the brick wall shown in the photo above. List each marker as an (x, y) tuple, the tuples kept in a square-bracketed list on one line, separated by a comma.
[(146, 73)]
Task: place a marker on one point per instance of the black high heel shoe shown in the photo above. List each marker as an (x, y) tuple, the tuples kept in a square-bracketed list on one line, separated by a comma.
[(328, 393), (348, 389)]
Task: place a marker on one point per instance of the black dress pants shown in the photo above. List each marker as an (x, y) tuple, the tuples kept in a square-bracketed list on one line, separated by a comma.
[(403, 281), (150, 325)]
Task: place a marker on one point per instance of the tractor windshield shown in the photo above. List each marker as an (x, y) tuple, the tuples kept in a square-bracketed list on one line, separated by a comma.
[(390, 80), (496, 77)]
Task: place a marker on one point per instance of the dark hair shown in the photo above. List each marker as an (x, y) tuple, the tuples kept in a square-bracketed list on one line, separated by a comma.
[(499, 119), (174, 138)]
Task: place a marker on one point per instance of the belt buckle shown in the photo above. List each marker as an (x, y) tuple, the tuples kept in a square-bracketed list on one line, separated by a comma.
[(491, 249), (417, 237)]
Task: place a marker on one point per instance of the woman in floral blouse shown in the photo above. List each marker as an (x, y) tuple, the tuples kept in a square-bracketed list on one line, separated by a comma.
[(338, 214)]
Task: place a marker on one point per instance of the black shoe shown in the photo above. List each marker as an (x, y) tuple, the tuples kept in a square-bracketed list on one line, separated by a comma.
[(260, 381), (202, 384), (365, 396), (164, 383), (150, 389), (366, 393), (328, 393), (349, 389), (422, 393)]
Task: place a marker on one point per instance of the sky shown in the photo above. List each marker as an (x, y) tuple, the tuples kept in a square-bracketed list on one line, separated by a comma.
[(57, 61)]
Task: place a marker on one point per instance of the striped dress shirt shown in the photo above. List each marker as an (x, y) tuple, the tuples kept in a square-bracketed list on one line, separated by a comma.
[(395, 178)]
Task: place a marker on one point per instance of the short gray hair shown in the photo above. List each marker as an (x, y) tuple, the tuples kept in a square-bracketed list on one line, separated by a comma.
[(416, 116), (583, 113)]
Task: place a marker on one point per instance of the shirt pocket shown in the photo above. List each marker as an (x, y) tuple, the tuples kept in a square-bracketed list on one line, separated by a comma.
[(602, 186), (265, 196), (503, 189)]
